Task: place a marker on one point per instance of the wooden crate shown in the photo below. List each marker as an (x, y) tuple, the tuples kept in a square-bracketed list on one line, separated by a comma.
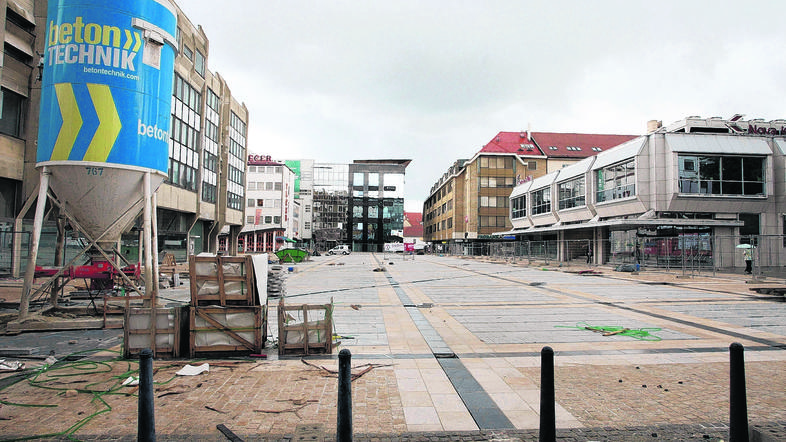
[(168, 330), (305, 329), (222, 280), (227, 331)]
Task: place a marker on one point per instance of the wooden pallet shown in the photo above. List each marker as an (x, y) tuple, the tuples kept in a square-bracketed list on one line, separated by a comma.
[(305, 329), (222, 281), (221, 331), (166, 327)]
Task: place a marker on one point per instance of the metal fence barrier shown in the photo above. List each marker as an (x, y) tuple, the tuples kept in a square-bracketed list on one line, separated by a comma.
[(693, 253)]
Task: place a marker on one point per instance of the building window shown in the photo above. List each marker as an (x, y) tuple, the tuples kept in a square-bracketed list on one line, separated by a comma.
[(199, 63), (492, 221), (185, 137), (210, 148), (268, 219), (541, 201), (496, 182), (12, 113), (209, 192), (490, 201), (616, 181), (532, 165), (722, 175), (276, 220), (250, 219), (496, 162), (519, 205), (250, 202), (188, 53), (237, 153), (571, 194)]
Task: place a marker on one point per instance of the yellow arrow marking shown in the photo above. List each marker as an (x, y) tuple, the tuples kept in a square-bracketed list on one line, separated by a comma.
[(72, 121), (108, 123), (129, 39), (138, 39)]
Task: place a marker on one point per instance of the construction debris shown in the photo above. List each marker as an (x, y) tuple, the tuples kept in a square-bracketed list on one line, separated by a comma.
[(11, 365), (642, 334), (190, 370), (333, 373)]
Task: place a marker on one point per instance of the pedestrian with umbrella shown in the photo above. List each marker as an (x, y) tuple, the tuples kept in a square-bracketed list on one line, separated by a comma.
[(748, 257)]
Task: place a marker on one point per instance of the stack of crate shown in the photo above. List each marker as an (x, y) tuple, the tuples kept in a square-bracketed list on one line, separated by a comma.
[(305, 329), (226, 316), (163, 330)]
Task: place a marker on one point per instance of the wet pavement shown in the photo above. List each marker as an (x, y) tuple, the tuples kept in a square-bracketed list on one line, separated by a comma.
[(449, 349)]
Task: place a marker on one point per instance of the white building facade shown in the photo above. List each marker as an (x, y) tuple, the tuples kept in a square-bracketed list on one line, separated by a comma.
[(720, 182), (272, 213)]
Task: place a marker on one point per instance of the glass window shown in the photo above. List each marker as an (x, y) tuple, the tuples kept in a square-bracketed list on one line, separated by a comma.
[(11, 117), (541, 201), (199, 63), (722, 175), (519, 206), (571, 194), (358, 179), (616, 181)]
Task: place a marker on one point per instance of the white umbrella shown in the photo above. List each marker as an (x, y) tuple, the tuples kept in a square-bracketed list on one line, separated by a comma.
[(745, 246)]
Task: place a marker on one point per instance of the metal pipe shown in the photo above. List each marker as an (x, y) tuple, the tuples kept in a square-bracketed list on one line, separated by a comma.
[(147, 229), (43, 186), (154, 240)]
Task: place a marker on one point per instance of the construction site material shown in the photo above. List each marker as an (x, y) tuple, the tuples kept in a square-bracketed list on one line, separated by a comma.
[(305, 329), (642, 334), (222, 280), (276, 281), (292, 255), (260, 263), (168, 332), (220, 330)]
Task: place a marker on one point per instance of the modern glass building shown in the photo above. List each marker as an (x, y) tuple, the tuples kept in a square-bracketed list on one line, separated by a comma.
[(376, 209), (330, 205)]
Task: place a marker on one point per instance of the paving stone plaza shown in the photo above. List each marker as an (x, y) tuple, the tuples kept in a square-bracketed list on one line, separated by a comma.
[(454, 350)]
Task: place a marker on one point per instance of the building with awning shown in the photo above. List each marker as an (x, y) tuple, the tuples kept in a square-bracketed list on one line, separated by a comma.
[(717, 177)]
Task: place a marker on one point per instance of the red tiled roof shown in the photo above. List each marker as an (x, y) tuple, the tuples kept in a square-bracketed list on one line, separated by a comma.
[(577, 145), (510, 142), (553, 144), (413, 225)]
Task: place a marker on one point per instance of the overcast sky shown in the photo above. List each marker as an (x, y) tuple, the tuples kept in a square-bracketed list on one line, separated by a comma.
[(433, 81)]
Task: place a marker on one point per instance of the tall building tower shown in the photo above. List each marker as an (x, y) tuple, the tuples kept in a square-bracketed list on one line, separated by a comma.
[(376, 208)]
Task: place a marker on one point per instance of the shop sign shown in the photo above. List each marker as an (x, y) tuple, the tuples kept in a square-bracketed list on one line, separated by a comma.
[(254, 159)]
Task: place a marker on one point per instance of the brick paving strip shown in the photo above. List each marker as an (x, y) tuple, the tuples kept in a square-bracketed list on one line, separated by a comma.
[(673, 397)]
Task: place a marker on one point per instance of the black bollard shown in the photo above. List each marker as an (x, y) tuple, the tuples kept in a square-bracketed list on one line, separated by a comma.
[(344, 418), (738, 402), (146, 426), (548, 424)]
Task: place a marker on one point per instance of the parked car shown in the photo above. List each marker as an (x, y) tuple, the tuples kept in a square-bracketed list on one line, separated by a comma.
[(339, 250)]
